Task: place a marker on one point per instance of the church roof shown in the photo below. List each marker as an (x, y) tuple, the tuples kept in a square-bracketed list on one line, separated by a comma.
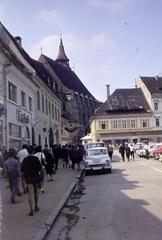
[(68, 77), (124, 101)]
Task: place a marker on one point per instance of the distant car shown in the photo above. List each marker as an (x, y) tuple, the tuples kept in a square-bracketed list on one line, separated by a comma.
[(97, 159)]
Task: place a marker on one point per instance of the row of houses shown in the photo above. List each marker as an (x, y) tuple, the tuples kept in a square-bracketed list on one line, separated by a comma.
[(130, 115), (41, 101)]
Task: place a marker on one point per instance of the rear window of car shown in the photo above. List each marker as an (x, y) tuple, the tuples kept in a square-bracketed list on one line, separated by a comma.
[(93, 152)]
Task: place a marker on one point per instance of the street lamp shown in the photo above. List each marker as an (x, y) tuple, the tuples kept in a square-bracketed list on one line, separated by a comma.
[(68, 95)]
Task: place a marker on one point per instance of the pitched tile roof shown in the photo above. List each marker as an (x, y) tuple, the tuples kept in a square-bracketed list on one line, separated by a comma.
[(124, 101), (153, 84), (68, 77), (42, 72)]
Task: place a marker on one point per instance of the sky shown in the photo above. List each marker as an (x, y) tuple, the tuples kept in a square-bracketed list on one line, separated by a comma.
[(107, 41)]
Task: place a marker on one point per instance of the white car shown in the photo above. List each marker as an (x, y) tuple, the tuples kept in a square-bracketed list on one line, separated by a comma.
[(97, 159)]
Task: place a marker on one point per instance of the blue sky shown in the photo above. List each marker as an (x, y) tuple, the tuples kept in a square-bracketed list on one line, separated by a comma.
[(107, 41)]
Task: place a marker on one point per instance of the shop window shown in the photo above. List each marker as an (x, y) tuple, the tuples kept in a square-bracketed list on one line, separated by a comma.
[(14, 130)]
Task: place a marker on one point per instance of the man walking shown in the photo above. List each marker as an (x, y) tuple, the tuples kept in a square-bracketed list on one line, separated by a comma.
[(31, 168), (12, 171)]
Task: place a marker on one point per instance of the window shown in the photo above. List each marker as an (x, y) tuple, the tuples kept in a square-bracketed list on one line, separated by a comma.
[(49, 107), (53, 111), (46, 106), (144, 123), (12, 92), (124, 124), (58, 114), (157, 122), (156, 106), (30, 104), (133, 123), (14, 130), (115, 124), (38, 100), (103, 125), (42, 103), (23, 99)]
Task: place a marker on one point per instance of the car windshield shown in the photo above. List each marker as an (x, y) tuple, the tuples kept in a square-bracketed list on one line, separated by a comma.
[(93, 152)]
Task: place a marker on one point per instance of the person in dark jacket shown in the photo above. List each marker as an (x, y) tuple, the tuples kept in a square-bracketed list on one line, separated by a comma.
[(122, 151), (49, 163), (127, 151), (31, 168)]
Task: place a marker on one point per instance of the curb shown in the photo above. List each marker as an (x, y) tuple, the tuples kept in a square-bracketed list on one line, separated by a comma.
[(47, 225)]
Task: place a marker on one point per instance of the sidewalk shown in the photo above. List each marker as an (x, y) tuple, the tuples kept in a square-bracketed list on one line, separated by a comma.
[(14, 220)]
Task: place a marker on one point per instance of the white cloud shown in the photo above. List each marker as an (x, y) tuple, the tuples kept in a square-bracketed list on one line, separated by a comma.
[(112, 5), (51, 16)]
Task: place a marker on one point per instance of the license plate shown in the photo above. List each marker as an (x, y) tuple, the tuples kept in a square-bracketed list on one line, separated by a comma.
[(96, 168)]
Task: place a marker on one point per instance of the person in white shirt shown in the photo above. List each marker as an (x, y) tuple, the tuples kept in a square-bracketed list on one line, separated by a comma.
[(23, 153)]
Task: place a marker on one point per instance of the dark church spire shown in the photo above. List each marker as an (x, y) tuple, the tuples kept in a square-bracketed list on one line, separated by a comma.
[(62, 58)]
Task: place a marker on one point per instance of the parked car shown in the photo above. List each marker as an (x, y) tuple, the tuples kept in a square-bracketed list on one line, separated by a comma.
[(146, 149), (154, 148), (97, 159), (157, 153)]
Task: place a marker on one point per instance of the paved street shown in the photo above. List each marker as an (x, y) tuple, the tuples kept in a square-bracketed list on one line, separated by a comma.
[(15, 224), (124, 205)]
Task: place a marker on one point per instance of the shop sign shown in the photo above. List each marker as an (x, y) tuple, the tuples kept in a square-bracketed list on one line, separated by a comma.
[(22, 117)]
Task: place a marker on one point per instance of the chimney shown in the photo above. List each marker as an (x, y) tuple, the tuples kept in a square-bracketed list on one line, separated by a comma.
[(18, 40), (108, 91)]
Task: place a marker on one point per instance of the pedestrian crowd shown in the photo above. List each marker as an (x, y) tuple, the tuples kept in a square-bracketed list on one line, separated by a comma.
[(27, 169), (127, 151)]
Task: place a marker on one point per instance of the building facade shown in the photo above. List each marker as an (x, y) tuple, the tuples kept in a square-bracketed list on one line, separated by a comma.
[(125, 117), (31, 112), (152, 89)]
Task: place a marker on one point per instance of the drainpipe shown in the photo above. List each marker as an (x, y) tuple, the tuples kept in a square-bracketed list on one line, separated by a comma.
[(5, 101)]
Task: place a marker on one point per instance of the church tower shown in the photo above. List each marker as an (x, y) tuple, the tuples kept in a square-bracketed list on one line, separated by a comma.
[(62, 58)]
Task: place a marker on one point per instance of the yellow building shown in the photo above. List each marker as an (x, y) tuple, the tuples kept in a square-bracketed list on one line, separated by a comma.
[(126, 116)]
